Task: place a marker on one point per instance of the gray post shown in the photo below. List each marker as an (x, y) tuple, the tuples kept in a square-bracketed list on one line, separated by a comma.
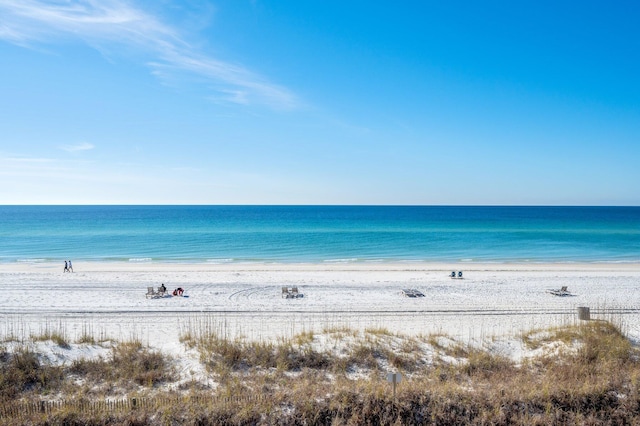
[(394, 378), (584, 313)]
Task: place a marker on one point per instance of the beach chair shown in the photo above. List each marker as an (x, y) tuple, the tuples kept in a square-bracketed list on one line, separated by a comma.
[(560, 292), (150, 292), (412, 292), (285, 292), (294, 292), (160, 292)]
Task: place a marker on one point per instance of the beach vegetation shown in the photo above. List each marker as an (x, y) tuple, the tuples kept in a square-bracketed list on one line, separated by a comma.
[(21, 372), (304, 338), (594, 378), (129, 366), (340, 331), (481, 362), (55, 336), (378, 331), (86, 339), (447, 347)]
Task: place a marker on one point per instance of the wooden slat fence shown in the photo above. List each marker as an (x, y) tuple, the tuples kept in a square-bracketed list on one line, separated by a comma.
[(18, 410)]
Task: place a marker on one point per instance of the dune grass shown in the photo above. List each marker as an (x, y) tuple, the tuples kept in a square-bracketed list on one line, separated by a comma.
[(583, 374)]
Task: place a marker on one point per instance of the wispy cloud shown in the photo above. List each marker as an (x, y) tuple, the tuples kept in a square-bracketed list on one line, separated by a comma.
[(8, 160), (101, 23), (83, 146)]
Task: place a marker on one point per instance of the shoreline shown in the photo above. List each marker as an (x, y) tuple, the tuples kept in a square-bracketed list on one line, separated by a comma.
[(104, 266)]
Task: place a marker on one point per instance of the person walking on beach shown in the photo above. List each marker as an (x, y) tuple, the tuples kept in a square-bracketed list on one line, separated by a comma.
[(66, 267), (70, 267)]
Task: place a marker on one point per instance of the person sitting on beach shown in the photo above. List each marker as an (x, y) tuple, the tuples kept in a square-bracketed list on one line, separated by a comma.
[(178, 291), (163, 288)]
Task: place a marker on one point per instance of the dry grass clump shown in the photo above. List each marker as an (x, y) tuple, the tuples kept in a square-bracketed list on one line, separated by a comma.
[(372, 351), (55, 336), (485, 364), (21, 372), (217, 352), (130, 364), (24, 375)]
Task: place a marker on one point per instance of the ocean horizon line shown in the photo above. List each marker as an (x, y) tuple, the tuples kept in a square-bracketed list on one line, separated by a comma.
[(313, 205)]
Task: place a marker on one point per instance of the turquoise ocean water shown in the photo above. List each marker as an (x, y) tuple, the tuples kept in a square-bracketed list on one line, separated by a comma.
[(221, 234)]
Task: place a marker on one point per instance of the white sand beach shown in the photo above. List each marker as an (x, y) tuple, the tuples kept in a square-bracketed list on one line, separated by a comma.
[(245, 300)]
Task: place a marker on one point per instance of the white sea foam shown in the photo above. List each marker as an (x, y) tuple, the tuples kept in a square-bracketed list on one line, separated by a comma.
[(349, 260), (140, 259)]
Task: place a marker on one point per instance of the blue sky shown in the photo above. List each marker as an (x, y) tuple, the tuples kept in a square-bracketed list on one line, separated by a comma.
[(319, 102)]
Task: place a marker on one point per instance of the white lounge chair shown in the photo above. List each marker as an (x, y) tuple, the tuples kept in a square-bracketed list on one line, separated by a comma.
[(562, 291), (155, 294), (412, 292), (291, 293)]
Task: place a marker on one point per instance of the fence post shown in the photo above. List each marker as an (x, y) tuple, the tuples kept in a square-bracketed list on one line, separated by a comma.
[(583, 313)]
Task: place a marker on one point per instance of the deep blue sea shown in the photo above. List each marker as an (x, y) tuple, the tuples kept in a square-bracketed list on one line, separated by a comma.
[(289, 234)]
